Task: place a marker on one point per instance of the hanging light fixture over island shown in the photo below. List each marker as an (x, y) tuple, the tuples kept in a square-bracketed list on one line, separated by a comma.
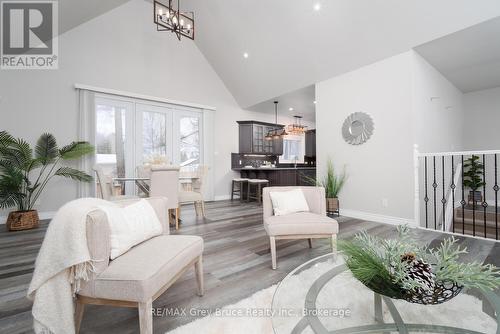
[(278, 131)]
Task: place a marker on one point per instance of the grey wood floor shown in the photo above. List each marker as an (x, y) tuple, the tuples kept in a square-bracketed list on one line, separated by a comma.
[(236, 260)]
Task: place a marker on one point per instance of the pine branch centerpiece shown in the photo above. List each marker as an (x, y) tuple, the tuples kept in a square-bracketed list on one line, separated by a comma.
[(402, 268)]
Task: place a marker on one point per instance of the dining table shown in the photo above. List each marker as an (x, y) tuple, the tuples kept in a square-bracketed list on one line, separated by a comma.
[(141, 182)]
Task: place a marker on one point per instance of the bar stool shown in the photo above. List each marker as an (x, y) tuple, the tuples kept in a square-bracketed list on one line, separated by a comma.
[(258, 184), (237, 188)]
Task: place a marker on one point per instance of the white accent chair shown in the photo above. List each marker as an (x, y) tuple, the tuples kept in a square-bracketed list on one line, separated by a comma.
[(165, 183), (195, 195), (300, 225)]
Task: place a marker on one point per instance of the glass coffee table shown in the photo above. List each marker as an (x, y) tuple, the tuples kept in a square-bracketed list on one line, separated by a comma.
[(322, 296)]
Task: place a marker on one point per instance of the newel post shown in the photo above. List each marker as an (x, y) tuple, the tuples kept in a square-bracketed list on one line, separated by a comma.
[(416, 165)]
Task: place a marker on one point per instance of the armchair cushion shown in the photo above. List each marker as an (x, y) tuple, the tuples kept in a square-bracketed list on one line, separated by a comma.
[(287, 202), (300, 223), (142, 271)]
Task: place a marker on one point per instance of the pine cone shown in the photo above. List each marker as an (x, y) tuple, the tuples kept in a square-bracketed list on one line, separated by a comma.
[(420, 271)]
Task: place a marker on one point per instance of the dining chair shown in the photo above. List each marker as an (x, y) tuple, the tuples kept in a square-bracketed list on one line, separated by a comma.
[(195, 195), (165, 183), (104, 183)]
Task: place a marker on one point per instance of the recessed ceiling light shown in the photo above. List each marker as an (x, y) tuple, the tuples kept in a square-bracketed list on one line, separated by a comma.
[(317, 6), (290, 109), (245, 55)]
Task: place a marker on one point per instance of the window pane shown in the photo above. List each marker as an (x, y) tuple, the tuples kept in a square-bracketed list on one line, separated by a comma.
[(154, 137), (189, 141), (110, 138), (293, 149)]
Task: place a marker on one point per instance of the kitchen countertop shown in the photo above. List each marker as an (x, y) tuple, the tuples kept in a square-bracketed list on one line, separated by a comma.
[(273, 168)]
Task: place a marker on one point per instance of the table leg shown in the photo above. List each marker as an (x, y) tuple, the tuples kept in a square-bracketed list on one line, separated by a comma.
[(377, 303), (378, 308)]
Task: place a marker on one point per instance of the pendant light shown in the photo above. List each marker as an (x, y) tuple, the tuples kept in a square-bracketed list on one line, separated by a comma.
[(278, 131)]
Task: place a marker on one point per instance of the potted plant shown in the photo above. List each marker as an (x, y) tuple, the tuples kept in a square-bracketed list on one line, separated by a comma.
[(24, 174), (474, 178), (333, 184)]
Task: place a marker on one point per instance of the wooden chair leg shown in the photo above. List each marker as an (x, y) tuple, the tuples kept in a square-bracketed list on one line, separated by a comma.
[(272, 242), (198, 269), (80, 307), (203, 208), (310, 241), (248, 192), (146, 317), (232, 190), (334, 243), (177, 213), (196, 208)]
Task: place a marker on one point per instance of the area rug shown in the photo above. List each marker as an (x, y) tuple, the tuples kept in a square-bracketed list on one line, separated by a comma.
[(345, 294)]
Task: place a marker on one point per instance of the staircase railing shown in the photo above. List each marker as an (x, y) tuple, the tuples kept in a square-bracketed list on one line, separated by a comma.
[(444, 198)]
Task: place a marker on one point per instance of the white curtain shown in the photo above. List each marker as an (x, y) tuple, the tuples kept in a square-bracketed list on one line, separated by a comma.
[(86, 132)]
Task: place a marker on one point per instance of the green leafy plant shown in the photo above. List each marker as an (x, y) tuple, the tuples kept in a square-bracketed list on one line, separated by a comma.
[(332, 182), (25, 173), (473, 173), (401, 266)]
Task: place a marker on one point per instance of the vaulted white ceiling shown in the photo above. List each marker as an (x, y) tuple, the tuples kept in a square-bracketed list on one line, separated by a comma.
[(469, 58), (72, 13), (290, 45)]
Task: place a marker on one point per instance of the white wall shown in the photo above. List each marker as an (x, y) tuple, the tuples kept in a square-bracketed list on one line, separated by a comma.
[(382, 167), (438, 109), (482, 119), (397, 93), (120, 50)]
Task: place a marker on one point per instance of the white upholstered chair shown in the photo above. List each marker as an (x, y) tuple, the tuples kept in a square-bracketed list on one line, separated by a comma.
[(195, 195), (165, 183), (300, 225)]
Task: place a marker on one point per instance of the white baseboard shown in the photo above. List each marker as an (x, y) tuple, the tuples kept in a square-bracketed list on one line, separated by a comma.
[(42, 215), (374, 217), (222, 197)]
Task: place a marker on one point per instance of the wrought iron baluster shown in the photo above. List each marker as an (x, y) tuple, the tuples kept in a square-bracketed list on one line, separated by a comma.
[(443, 199), (426, 198), (484, 204), (496, 188), (453, 193), (434, 185), (463, 198)]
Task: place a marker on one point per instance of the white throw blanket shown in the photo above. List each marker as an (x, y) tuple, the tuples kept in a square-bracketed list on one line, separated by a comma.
[(63, 261)]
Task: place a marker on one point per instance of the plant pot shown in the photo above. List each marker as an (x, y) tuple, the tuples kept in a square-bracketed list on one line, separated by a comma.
[(332, 204), (475, 196), (22, 220)]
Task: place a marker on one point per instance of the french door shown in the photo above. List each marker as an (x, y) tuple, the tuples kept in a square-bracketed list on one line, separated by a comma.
[(131, 133)]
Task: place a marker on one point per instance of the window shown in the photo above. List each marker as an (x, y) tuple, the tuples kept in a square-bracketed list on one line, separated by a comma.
[(293, 149), (189, 140), (130, 133)]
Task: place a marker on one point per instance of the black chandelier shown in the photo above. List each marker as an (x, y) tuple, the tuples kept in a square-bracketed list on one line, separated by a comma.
[(167, 18), (278, 131)]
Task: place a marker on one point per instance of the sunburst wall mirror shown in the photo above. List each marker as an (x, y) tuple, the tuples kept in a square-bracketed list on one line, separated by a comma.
[(357, 128)]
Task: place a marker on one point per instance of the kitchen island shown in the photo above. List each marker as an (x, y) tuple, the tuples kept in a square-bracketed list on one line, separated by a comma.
[(280, 176)]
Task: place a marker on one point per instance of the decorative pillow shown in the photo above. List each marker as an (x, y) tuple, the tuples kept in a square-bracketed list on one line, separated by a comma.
[(131, 225), (286, 202)]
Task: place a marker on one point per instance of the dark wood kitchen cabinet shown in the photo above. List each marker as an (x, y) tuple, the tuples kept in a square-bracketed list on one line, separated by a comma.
[(252, 138), (310, 137)]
